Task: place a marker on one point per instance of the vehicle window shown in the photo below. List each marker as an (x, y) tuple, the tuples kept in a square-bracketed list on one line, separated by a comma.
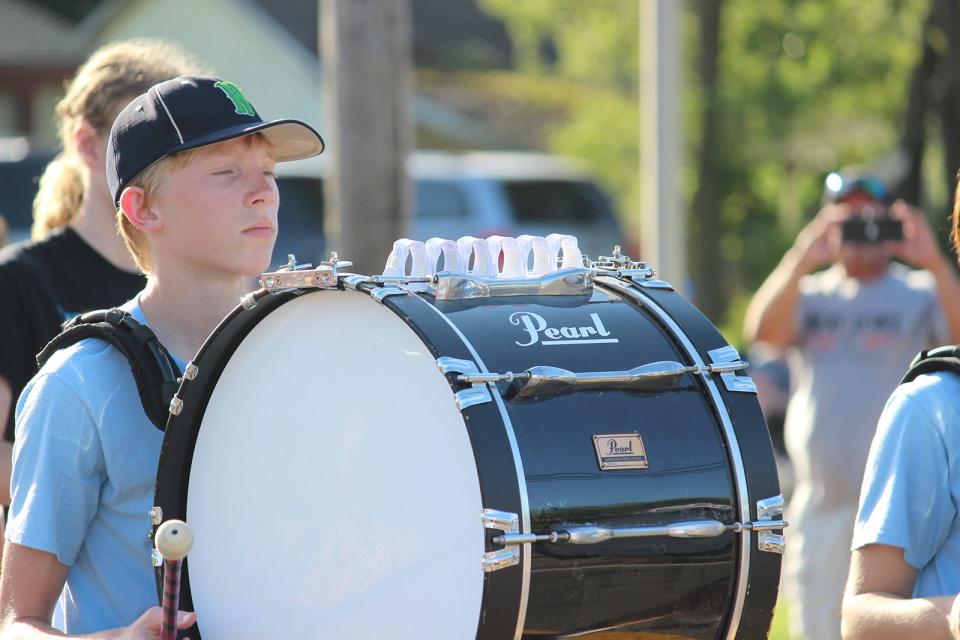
[(300, 219), (550, 201), (438, 199)]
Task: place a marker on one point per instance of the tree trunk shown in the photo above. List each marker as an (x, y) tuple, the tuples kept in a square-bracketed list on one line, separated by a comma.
[(706, 261), (913, 142), (365, 47), (949, 118)]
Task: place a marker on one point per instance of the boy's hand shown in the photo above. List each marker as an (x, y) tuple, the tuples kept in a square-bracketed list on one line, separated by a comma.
[(147, 626)]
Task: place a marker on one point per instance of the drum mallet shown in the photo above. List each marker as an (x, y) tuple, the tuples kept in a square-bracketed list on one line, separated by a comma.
[(174, 540)]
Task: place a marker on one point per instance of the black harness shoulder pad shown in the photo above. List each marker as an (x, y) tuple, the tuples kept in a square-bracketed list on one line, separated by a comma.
[(154, 369), (929, 361)]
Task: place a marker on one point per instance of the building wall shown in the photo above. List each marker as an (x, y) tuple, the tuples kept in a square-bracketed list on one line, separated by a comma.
[(28, 96), (240, 42)]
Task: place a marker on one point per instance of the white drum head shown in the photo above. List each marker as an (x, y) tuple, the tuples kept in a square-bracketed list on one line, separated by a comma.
[(333, 491)]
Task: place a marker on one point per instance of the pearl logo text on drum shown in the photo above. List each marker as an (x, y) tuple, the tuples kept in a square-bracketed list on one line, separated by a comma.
[(535, 327), (620, 451), (613, 447)]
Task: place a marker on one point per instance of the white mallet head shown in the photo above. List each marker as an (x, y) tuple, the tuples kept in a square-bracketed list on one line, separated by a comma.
[(174, 539)]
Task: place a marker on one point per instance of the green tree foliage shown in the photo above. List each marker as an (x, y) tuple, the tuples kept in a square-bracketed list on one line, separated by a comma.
[(803, 87), (591, 47)]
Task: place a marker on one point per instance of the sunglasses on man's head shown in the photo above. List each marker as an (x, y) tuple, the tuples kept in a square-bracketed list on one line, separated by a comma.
[(839, 187)]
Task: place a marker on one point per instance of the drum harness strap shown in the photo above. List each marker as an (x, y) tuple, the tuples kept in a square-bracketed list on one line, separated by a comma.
[(932, 360), (154, 369)]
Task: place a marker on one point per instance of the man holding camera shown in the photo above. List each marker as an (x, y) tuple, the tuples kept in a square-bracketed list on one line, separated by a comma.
[(853, 327)]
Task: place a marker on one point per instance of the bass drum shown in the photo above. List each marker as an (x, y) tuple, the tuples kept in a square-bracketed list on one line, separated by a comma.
[(351, 471)]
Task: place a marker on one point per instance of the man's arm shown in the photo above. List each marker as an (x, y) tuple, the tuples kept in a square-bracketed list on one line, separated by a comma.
[(919, 249), (770, 317), (877, 604)]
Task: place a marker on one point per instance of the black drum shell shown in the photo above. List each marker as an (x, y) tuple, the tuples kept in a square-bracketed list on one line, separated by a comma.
[(686, 586)]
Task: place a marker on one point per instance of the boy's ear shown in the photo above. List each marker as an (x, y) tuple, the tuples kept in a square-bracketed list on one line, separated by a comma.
[(133, 203), (88, 145)]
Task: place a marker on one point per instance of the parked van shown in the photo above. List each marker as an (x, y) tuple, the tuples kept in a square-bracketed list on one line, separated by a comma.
[(486, 193)]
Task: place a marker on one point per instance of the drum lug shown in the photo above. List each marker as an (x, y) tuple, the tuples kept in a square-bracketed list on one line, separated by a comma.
[(769, 514), (456, 365), (155, 558), (733, 382), (473, 395), (469, 397), (176, 406), (767, 510), (190, 372), (353, 282), (250, 300), (383, 292), (770, 542), (648, 283), (156, 515), (509, 523)]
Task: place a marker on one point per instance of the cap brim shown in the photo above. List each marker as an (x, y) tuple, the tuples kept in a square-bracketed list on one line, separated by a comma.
[(289, 139)]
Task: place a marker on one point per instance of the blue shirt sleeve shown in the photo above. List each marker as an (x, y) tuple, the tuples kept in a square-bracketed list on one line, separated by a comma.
[(58, 469), (906, 500)]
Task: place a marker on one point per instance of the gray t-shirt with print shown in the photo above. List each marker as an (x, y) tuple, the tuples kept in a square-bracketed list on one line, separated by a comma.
[(855, 340)]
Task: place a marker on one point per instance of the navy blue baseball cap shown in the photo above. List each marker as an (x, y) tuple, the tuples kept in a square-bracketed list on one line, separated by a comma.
[(189, 112)]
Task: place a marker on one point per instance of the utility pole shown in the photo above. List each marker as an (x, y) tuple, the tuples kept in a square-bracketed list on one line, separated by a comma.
[(366, 58), (662, 223)]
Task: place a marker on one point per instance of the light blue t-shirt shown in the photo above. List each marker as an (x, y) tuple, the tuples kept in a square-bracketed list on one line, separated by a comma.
[(84, 468), (911, 488)]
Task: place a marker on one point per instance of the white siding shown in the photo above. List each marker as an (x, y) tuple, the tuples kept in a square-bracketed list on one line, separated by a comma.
[(240, 43)]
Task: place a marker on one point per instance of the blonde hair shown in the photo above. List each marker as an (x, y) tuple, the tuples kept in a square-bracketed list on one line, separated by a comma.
[(151, 181), (112, 75)]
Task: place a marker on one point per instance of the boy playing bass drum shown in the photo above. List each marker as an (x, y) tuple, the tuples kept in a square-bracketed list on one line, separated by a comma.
[(190, 166)]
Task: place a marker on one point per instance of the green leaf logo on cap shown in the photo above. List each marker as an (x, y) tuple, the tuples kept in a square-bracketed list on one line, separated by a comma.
[(240, 103)]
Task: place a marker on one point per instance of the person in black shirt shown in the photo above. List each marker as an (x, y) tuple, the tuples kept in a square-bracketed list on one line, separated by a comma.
[(43, 284), (77, 262)]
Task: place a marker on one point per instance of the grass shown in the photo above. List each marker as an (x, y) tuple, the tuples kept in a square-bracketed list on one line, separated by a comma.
[(779, 629)]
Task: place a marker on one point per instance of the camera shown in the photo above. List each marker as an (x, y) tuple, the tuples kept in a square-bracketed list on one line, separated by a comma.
[(870, 229)]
